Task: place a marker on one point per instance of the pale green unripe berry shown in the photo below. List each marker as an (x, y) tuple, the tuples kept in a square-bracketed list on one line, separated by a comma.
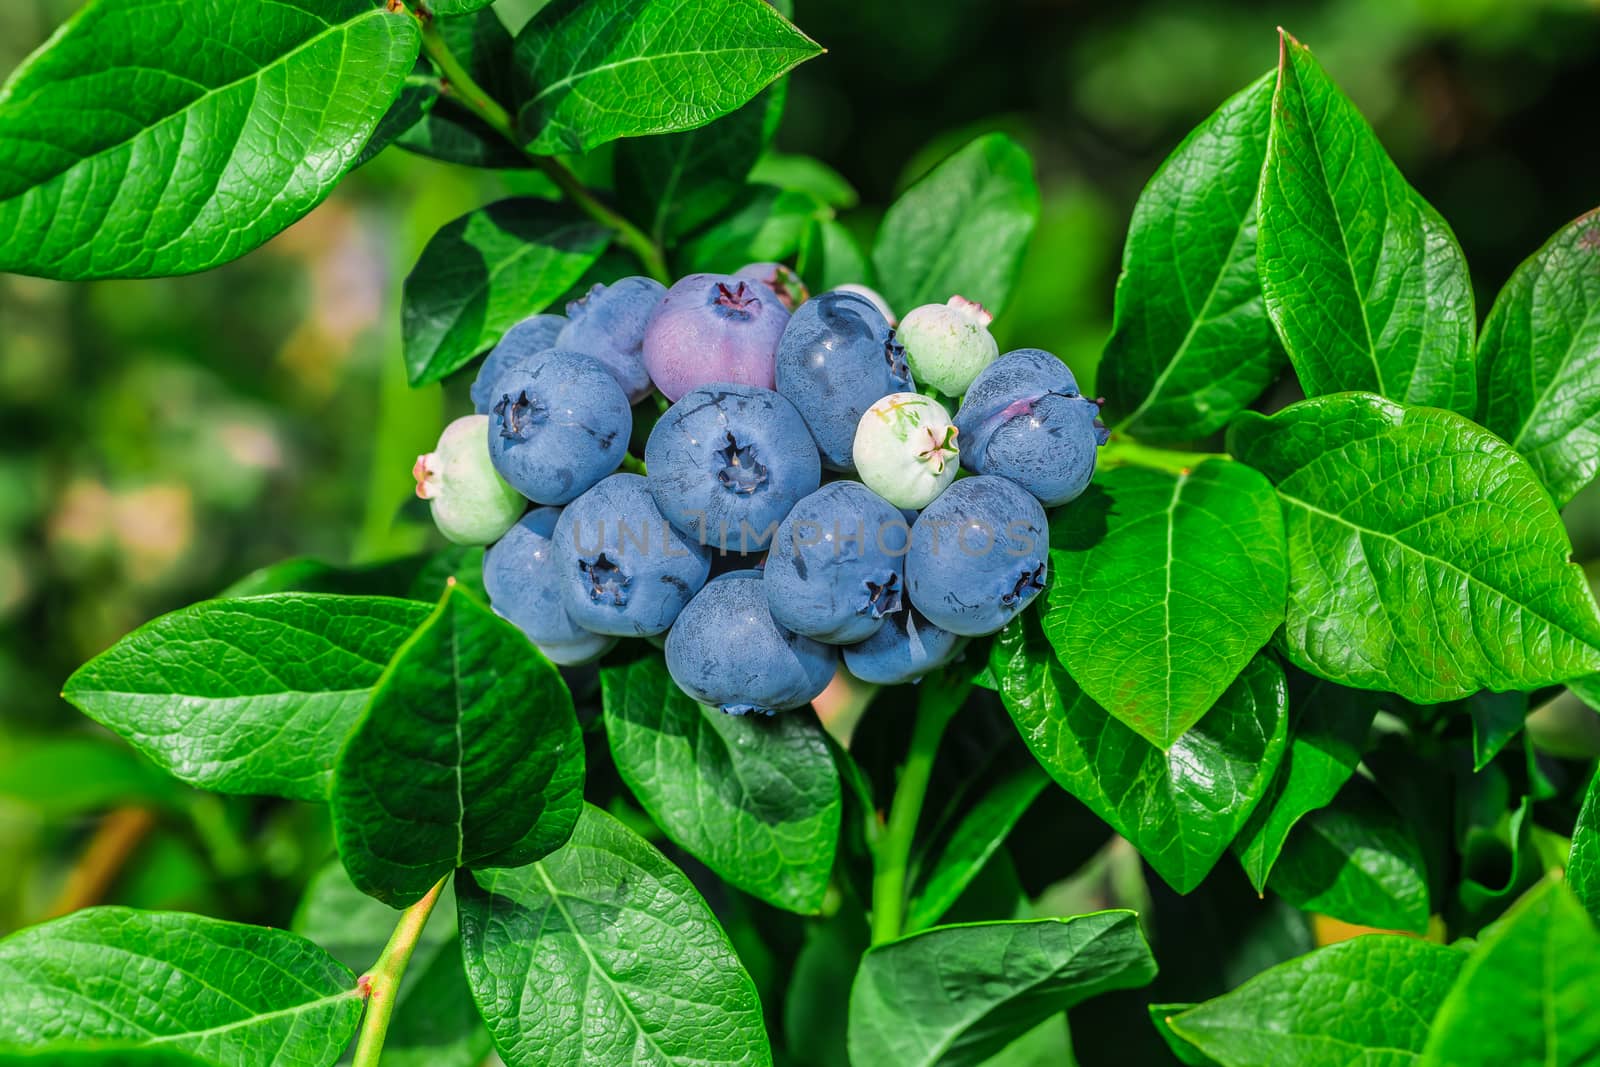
[(948, 344), (905, 449), (471, 503)]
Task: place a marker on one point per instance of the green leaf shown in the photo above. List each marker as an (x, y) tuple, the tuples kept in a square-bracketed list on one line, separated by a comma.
[(831, 257), (765, 224), (457, 7), (1180, 808), (1586, 689), (677, 182), (484, 273), (1583, 863), (756, 799), (1364, 281), (962, 228), (1356, 860), (97, 1054), (1164, 584), (1539, 358), (1496, 719), (1328, 728), (1192, 345), (1185, 1053), (1364, 1001), (468, 754), (1526, 995), (221, 991), (604, 953), (435, 1021), (1424, 557), (482, 45), (252, 695), (806, 174), (620, 68), (70, 775), (170, 136), (817, 1001), (956, 995), (973, 831)]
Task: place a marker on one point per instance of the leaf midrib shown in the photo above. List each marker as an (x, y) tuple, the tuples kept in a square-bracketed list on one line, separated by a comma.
[(1413, 550), (1333, 205), (594, 963), (164, 120)]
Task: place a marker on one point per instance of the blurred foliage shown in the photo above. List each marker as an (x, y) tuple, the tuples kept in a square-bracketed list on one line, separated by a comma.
[(160, 439)]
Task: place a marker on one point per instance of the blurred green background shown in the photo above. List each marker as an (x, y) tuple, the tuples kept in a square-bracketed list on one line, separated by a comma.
[(160, 439)]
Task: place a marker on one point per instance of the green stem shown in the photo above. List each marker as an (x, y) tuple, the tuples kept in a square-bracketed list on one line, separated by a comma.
[(938, 703), (382, 982), (460, 87)]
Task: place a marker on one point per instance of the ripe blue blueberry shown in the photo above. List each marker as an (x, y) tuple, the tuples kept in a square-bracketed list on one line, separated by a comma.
[(727, 462), (520, 575), (608, 324), (713, 328), (979, 555), (726, 650), (905, 449), (780, 278), (838, 357), (524, 340), (834, 572), (871, 296), (560, 424), (1024, 419), (622, 568), (905, 648)]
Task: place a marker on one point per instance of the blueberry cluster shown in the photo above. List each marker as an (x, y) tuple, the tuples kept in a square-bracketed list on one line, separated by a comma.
[(801, 500)]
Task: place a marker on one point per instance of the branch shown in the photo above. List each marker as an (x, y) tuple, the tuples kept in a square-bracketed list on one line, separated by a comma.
[(381, 984), (460, 87), (113, 843)]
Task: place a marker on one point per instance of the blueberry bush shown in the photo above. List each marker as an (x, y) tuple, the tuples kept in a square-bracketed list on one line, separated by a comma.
[(805, 676)]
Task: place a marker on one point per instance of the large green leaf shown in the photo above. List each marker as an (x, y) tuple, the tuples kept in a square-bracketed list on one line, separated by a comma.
[(484, 273), (222, 991), (468, 754), (435, 1022), (1526, 995), (154, 137), (1163, 585), (1328, 726), (956, 995), (1356, 859), (603, 953), (1180, 807), (677, 182), (253, 695), (604, 69), (1192, 344), (962, 228), (756, 799), (1366, 1001), (1364, 281), (1539, 360), (1583, 864), (1424, 557)]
